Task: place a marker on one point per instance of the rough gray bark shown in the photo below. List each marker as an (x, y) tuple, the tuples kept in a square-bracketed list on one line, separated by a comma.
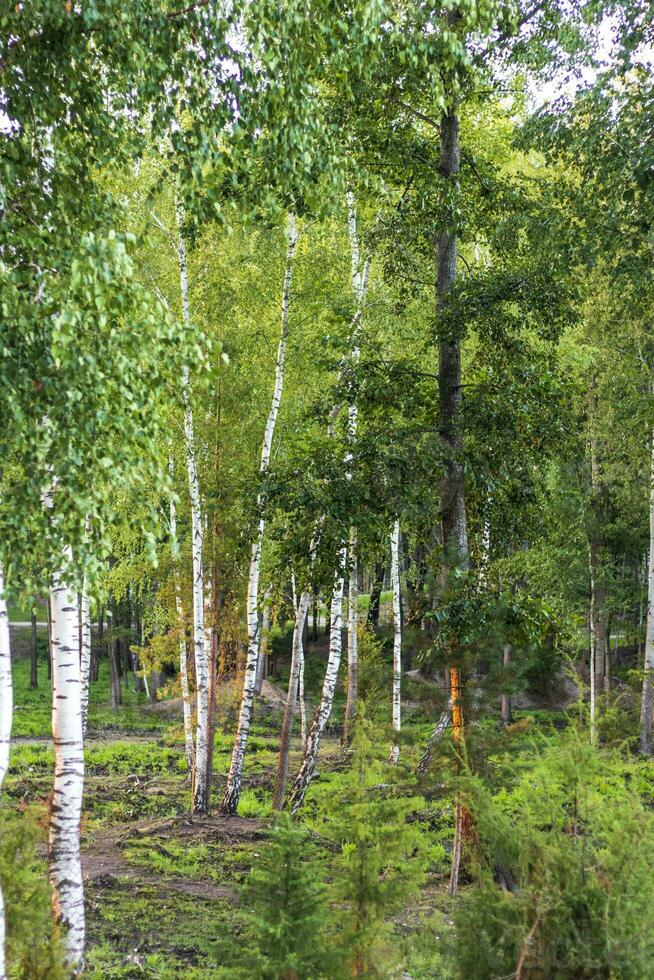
[(453, 509)]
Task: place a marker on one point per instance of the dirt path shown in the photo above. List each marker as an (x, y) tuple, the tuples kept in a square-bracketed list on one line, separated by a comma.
[(103, 860), (101, 738)]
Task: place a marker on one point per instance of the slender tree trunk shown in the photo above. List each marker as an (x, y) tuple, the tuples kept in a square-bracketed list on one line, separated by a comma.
[(183, 665), (34, 664), (438, 732), (303, 704), (115, 692), (647, 702), (232, 793), (397, 638), (66, 802), (453, 509), (262, 662), (6, 713), (85, 653), (505, 703), (599, 515), (352, 640), (297, 657), (375, 595), (314, 625), (200, 786), (323, 711), (95, 656), (360, 273)]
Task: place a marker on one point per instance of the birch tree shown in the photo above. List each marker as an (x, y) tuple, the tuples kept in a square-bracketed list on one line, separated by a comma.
[(397, 637), (68, 787), (297, 663), (183, 666), (360, 272), (85, 652), (323, 711), (6, 712), (232, 793), (200, 783)]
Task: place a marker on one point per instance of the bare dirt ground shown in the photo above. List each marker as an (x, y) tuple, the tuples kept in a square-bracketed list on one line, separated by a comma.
[(103, 857)]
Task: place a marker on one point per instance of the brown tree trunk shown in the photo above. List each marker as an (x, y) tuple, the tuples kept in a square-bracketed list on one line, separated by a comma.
[(375, 594), (453, 509)]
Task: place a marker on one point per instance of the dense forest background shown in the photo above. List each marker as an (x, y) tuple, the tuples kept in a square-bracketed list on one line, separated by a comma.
[(326, 489)]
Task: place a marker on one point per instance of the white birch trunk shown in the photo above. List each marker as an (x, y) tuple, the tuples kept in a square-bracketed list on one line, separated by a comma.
[(360, 274), (297, 659), (352, 639), (200, 787), (66, 804), (233, 791), (183, 666), (397, 638), (438, 732), (85, 653), (303, 705), (321, 717), (6, 712), (263, 643), (647, 703)]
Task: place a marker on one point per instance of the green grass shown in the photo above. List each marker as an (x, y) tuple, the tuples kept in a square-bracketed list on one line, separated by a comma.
[(33, 707)]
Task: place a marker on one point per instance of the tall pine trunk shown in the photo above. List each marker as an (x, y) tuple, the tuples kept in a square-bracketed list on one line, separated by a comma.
[(200, 789), (397, 638), (297, 658), (323, 711), (453, 509), (647, 703), (66, 802), (6, 712), (233, 791), (375, 595)]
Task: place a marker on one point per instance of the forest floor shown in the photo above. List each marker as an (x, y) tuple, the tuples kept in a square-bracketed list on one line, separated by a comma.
[(163, 888)]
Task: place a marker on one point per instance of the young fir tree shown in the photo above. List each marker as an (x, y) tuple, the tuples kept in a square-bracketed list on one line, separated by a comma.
[(382, 858), (287, 909)]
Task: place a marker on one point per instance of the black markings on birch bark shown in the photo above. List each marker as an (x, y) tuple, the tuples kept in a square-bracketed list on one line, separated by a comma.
[(66, 807)]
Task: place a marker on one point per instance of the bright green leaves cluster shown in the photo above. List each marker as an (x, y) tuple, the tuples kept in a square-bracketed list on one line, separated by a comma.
[(572, 840), (100, 359)]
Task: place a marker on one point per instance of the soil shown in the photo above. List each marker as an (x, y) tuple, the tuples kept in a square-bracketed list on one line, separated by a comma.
[(104, 863)]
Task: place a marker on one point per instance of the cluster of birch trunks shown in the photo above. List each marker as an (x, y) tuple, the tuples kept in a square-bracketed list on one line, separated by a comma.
[(70, 641)]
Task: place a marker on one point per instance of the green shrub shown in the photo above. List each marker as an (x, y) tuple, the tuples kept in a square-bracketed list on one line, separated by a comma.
[(381, 859), (287, 910), (34, 949), (563, 884)]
